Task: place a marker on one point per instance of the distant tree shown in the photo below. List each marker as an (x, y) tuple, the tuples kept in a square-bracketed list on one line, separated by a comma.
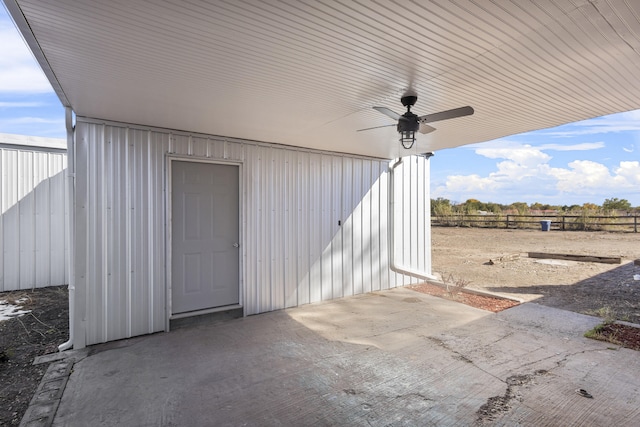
[(616, 204), (440, 207), (590, 207), (472, 206), (540, 207), (572, 208), (493, 207), (521, 207)]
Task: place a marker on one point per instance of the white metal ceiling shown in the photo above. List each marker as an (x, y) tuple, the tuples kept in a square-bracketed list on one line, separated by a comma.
[(306, 73)]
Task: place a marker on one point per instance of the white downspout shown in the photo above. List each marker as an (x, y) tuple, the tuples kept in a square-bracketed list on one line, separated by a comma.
[(71, 227), (402, 269)]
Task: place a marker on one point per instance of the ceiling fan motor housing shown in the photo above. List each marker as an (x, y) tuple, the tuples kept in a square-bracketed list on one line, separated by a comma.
[(408, 122), (409, 99)]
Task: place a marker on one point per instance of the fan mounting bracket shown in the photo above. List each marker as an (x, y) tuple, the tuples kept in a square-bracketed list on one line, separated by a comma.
[(409, 99)]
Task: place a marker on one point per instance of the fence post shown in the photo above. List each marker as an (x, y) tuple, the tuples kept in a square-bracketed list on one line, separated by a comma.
[(507, 221), (635, 223), (563, 218)]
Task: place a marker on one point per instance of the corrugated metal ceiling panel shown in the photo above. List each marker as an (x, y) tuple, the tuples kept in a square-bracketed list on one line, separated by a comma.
[(307, 73)]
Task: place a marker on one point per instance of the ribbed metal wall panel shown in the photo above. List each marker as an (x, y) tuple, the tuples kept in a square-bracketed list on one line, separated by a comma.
[(33, 223), (314, 224), (411, 209)]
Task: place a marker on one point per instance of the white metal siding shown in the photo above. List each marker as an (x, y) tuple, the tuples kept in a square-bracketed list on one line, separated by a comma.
[(33, 209), (314, 225), (411, 204)]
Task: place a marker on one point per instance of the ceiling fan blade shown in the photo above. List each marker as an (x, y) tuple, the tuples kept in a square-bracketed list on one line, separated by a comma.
[(425, 128), (445, 115), (388, 112), (376, 127)]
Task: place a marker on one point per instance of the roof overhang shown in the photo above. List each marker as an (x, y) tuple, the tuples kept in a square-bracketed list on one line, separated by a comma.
[(307, 73)]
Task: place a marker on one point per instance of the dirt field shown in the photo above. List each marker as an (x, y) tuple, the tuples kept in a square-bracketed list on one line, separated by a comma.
[(605, 290)]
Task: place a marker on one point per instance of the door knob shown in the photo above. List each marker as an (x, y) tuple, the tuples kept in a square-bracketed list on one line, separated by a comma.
[(236, 245)]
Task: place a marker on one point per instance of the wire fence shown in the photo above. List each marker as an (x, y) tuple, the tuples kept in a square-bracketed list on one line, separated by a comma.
[(582, 222)]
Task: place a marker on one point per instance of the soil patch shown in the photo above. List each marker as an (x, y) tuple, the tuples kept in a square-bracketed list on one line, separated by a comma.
[(623, 335), (22, 339), (483, 302)]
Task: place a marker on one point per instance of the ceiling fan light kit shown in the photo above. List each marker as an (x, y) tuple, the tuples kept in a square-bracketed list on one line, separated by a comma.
[(407, 139), (409, 123)]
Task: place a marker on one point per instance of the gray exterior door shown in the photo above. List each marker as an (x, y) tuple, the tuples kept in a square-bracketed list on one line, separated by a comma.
[(205, 233)]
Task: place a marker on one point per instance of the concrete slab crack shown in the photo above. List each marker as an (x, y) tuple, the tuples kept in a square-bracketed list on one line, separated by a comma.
[(414, 395), (459, 356), (566, 356)]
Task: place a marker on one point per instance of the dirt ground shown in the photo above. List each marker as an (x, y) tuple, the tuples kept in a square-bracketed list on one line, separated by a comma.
[(24, 338), (605, 290)]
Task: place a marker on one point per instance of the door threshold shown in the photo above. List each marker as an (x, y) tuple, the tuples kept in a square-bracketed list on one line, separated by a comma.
[(205, 311)]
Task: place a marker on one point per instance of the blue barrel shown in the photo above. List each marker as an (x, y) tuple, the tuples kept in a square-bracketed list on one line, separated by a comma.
[(546, 225)]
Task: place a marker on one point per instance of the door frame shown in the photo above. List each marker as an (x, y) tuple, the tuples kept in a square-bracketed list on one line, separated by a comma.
[(170, 158)]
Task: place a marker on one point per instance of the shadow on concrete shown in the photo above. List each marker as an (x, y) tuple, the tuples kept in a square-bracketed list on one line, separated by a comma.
[(387, 358), (613, 293)]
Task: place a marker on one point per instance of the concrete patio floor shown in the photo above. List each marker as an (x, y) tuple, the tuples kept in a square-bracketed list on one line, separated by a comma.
[(382, 359)]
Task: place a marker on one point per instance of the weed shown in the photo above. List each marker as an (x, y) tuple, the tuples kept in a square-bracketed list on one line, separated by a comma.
[(606, 312), (454, 285), (597, 333)]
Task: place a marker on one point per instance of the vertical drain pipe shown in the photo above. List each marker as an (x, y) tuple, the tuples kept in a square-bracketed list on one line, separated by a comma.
[(401, 269), (71, 227)]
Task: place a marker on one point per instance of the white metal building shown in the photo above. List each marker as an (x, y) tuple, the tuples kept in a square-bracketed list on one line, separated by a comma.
[(33, 212), (215, 158), (299, 226)]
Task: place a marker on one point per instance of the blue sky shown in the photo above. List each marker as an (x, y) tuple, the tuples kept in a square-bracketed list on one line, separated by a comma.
[(588, 161)]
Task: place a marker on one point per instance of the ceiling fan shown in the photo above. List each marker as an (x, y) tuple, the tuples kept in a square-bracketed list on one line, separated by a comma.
[(409, 123)]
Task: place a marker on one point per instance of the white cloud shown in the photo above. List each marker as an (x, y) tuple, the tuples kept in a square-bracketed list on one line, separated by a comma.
[(526, 169), (631, 172), (622, 122), (14, 121), (19, 104), (585, 176), (633, 115), (469, 183), (585, 146), (37, 126), (505, 144), (19, 71), (539, 166), (523, 155)]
